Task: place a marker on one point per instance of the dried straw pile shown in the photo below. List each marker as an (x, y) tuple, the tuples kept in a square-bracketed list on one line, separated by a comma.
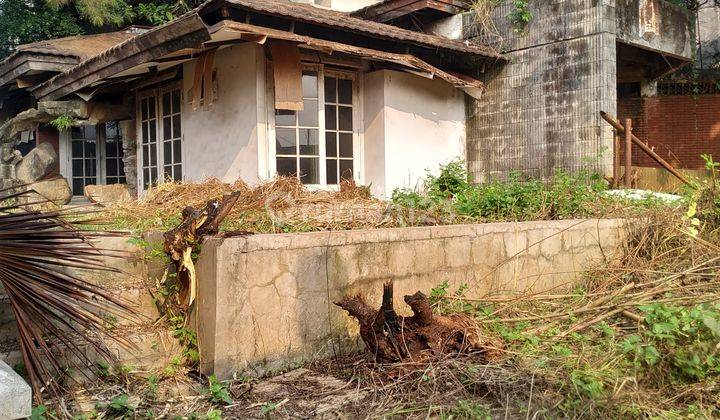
[(280, 205)]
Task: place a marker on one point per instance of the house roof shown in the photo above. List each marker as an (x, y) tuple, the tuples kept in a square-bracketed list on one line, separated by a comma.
[(60, 54), (191, 32), (308, 13), (82, 46)]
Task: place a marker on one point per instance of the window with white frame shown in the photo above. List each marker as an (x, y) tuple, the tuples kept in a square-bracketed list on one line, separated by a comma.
[(114, 165), (84, 162), (161, 134), (317, 144)]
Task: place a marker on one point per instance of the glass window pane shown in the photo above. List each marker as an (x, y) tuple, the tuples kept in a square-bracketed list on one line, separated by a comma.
[(112, 169), (309, 84), (167, 172), (331, 144), (153, 155), (167, 129), (167, 152), (330, 89), (153, 132), (90, 169), (332, 176), (78, 185), (146, 177), (177, 151), (90, 132), (77, 149), (345, 91), (154, 174), (144, 108), (90, 181), (308, 117), (151, 107), (146, 156), (286, 166), (346, 169), (111, 130), (284, 117), (309, 142), (89, 148), (176, 101), (110, 148), (331, 117), (346, 145), (345, 119), (121, 168), (177, 132), (285, 141), (77, 167), (177, 173), (166, 110), (76, 133), (310, 170), (145, 130)]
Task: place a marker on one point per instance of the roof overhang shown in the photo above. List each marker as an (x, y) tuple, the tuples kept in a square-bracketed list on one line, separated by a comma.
[(389, 10), (132, 57), (24, 64), (235, 31)]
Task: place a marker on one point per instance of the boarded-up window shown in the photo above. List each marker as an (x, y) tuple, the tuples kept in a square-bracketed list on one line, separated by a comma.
[(287, 75)]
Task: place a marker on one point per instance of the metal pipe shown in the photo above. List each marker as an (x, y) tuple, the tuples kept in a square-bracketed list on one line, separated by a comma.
[(645, 148), (628, 152)]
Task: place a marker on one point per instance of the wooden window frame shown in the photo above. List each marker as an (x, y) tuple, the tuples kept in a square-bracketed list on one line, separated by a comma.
[(322, 71)]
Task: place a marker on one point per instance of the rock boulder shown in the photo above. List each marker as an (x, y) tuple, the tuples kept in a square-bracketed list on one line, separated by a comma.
[(37, 164), (57, 191), (107, 194)]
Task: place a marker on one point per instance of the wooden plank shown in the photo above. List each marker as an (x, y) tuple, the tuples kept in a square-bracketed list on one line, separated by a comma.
[(628, 152), (287, 74)]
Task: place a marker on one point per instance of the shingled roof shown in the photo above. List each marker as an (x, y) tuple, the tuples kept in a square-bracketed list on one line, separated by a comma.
[(325, 17)]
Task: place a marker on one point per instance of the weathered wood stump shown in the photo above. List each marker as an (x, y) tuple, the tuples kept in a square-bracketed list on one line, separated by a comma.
[(392, 338), (182, 240)]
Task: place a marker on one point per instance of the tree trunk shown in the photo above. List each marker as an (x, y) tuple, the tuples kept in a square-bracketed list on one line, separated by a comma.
[(391, 338)]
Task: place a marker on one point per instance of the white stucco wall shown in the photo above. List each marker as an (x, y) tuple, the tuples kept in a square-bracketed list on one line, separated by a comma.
[(412, 124), (223, 141)]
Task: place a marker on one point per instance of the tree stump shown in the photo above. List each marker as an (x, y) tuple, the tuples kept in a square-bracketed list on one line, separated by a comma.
[(392, 338)]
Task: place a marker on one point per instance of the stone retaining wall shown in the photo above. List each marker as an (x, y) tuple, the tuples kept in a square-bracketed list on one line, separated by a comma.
[(266, 301)]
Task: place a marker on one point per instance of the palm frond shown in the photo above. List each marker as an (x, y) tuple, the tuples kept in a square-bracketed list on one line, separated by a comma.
[(60, 316)]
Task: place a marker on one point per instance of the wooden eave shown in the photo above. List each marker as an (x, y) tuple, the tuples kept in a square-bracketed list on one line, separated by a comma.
[(252, 33), (23, 64), (188, 31), (390, 10)]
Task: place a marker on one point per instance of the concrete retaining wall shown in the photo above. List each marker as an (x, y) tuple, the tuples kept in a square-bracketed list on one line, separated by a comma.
[(266, 301)]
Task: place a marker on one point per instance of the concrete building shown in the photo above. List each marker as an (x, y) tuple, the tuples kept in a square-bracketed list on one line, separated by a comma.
[(248, 89)]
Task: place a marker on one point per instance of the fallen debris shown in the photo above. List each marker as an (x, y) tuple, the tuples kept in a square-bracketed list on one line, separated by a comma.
[(392, 338)]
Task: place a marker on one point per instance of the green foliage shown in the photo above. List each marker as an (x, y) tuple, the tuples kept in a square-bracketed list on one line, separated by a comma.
[(521, 16), (156, 14), (217, 391), (119, 407), (23, 22), (40, 412), (450, 193), (63, 122), (680, 340)]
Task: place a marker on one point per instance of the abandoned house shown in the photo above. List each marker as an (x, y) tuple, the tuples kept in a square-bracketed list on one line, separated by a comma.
[(247, 89)]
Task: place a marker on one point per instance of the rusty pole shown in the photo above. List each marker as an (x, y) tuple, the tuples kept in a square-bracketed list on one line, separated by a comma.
[(616, 159), (628, 153), (645, 148)]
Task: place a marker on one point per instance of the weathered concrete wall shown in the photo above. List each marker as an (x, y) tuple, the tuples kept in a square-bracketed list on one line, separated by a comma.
[(266, 301), (657, 25), (541, 111), (412, 124), (709, 35), (154, 345), (222, 141)]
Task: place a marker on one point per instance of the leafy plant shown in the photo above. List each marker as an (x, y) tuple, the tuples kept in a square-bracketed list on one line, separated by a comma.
[(218, 391), (118, 407), (63, 122), (521, 16), (52, 306)]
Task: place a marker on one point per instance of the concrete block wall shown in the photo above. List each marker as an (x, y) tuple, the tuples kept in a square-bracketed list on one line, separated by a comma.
[(541, 111), (266, 301)]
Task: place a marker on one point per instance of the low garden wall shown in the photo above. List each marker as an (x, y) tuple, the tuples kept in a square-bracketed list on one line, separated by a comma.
[(266, 301)]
